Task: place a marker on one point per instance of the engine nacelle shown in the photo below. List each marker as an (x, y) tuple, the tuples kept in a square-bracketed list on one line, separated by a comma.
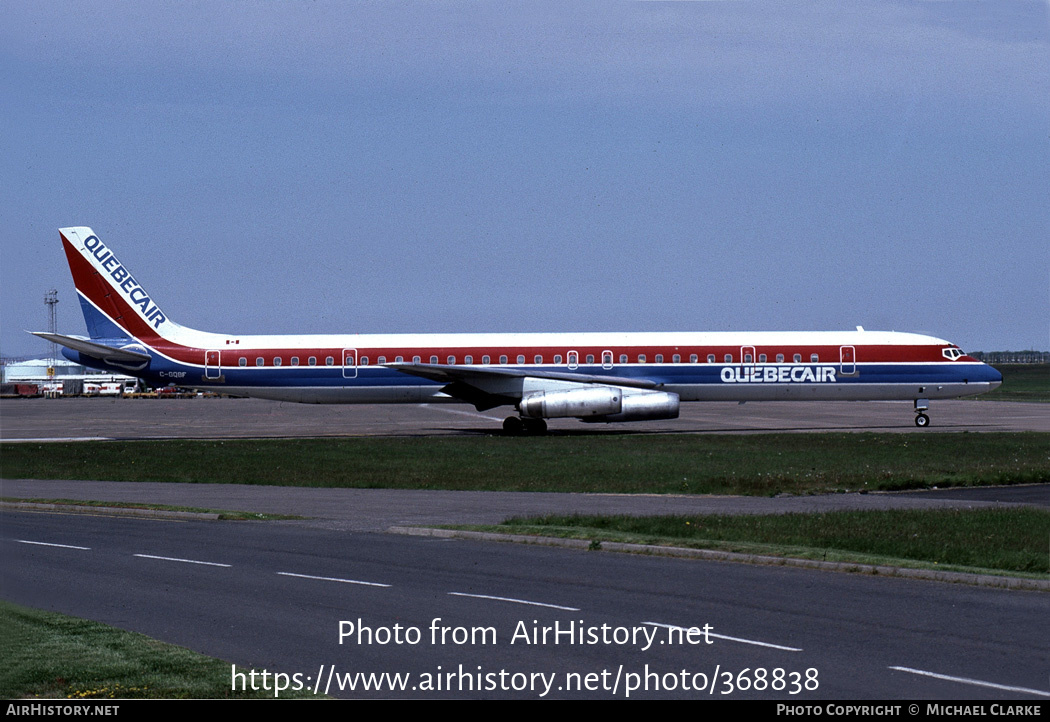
[(582, 403), (643, 406)]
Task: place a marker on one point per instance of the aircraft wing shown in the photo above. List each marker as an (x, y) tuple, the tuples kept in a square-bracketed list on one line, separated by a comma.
[(488, 387), (108, 354)]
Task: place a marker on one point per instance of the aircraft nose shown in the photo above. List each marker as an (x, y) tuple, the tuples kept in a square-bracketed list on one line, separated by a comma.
[(994, 377)]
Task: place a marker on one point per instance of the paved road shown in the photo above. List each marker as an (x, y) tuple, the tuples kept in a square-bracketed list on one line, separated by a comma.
[(273, 596)]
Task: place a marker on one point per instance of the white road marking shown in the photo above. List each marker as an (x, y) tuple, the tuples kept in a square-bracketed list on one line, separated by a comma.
[(185, 561), (333, 579), (731, 639), (461, 413), (48, 440), (975, 682), (514, 601), (46, 544)]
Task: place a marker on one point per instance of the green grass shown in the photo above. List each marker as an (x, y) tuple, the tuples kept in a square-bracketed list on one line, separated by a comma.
[(52, 655), (1022, 382), (982, 540), (759, 464)]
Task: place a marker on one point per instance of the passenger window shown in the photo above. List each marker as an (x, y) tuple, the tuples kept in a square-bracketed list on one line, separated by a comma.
[(312, 361), (415, 359), (747, 358), (276, 360), (485, 359), (433, 359), (761, 358), (693, 358), (259, 361), (676, 359), (329, 361), (503, 359), (295, 360), (468, 359), (729, 358), (381, 360), (798, 358), (557, 358), (814, 358), (242, 361), (641, 358), (590, 358), (364, 360), (537, 359), (521, 359), (710, 358), (451, 360), (659, 358), (780, 358), (399, 359)]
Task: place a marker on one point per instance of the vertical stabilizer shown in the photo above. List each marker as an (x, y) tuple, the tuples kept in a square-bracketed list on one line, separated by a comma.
[(115, 305)]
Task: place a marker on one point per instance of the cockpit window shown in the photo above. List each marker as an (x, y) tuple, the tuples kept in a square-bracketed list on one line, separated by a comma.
[(952, 353)]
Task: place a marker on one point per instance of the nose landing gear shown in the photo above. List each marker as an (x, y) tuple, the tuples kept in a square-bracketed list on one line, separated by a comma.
[(921, 419)]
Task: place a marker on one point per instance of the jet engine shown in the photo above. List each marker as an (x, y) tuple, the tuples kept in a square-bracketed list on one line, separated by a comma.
[(601, 403)]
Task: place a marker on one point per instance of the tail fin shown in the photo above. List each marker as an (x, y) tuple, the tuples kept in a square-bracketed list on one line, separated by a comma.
[(115, 305)]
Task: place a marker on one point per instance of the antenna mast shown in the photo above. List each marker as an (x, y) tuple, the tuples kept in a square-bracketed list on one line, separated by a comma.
[(51, 300)]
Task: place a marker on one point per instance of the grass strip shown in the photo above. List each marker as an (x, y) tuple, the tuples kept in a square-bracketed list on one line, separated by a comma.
[(1000, 540), (223, 514), (56, 656), (1024, 382), (1021, 382), (753, 464)]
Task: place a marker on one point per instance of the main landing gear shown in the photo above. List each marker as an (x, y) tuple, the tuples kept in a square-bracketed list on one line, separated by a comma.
[(518, 425), (921, 419)]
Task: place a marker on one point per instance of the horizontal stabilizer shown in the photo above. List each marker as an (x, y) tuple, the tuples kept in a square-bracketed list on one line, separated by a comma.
[(108, 354)]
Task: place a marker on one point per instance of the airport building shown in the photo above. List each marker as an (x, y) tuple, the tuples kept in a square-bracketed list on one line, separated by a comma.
[(59, 377)]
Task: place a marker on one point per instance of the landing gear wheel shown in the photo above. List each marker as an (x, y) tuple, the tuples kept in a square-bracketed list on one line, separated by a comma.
[(535, 426), (922, 420), (513, 425)]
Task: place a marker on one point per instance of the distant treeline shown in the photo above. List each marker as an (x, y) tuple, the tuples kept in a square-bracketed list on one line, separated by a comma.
[(1012, 357)]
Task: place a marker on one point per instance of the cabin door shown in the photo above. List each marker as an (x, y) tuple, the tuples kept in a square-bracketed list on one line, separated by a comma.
[(212, 370), (747, 355), (349, 363), (847, 360)]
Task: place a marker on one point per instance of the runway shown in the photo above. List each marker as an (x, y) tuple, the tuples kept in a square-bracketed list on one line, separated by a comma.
[(218, 418)]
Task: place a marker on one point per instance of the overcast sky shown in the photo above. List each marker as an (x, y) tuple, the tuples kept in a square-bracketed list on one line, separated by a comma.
[(387, 167)]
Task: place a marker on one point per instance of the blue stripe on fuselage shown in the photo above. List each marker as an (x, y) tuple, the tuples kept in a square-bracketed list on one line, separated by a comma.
[(164, 371)]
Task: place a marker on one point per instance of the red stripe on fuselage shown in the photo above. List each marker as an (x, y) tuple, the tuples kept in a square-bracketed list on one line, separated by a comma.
[(99, 290)]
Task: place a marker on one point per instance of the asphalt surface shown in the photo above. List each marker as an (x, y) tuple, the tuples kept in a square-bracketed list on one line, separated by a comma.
[(379, 509), (276, 596), (90, 418)]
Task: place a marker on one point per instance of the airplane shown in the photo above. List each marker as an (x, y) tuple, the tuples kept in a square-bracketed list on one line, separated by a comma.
[(593, 377)]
